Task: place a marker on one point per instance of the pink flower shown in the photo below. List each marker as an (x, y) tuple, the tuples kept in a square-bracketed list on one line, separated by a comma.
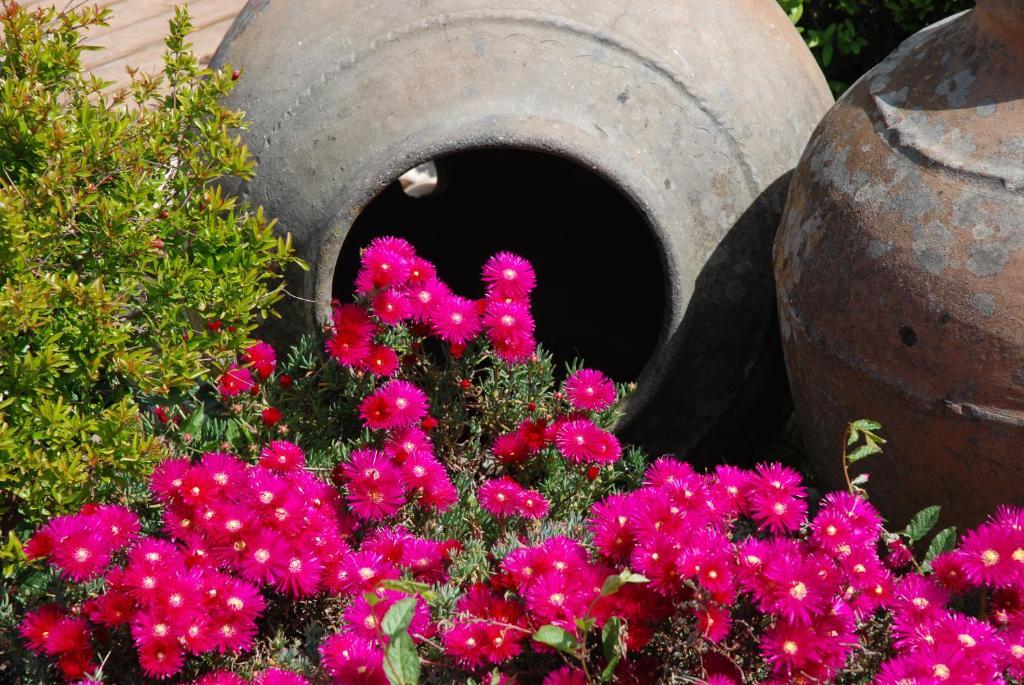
[(380, 360), (161, 658), (281, 455), (352, 335), (612, 525), (455, 319), (508, 276), (37, 625), (395, 405), (423, 297), (236, 381), (352, 659), (392, 306), (589, 390), (262, 358), (510, 448), (510, 329), (500, 497), (987, 556), (300, 575), (532, 504), (790, 647), (407, 442), (567, 675), (82, 553), (375, 485), (275, 676), (776, 498), (385, 264), (582, 441)]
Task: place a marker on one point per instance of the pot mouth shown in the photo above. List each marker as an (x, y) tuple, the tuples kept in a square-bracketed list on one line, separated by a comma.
[(601, 285)]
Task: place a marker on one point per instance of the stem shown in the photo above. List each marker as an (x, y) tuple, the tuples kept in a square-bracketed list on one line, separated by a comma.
[(846, 466)]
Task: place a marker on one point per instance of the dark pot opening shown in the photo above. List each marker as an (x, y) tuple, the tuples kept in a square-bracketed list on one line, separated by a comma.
[(601, 293)]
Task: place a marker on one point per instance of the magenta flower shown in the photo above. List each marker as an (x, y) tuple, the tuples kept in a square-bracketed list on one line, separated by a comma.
[(455, 319), (580, 440), (281, 455), (508, 276), (395, 405), (385, 264), (589, 390), (500, 497), (262, 358), (236, 381)]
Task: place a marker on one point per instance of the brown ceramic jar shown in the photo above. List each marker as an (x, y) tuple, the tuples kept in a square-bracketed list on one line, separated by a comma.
[(900, 270)]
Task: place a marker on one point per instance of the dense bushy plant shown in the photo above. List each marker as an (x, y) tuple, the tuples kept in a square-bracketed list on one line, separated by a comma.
[(849, 37), (459, 517), (119, 263)]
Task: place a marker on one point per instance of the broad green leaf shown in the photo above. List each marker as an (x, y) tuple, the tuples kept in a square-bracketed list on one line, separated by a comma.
[(610, 637), (865, 450), (193, 425), (922, 523), (372, 598), (866, 425), (943, 541), (401, 662), (398, 617), (559, 638), (611, 647)]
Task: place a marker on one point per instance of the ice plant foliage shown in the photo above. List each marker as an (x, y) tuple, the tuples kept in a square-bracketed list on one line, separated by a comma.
[(502, 546)]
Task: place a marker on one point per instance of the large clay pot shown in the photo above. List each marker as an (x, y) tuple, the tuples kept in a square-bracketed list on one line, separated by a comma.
[(901, 275), (637, 152)]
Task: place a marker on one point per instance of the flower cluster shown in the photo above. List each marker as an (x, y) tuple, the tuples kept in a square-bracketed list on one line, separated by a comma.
[(238, 380), (505, 497), (934, 645), (402, 287), (230, 528), (575, 434), (733, 564)]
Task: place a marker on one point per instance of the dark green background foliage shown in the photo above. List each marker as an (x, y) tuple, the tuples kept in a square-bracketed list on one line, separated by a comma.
[(849, 37), (115, 252)]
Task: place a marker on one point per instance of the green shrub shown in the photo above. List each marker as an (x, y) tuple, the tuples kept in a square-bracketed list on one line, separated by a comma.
[(119, 262), (849, 37)]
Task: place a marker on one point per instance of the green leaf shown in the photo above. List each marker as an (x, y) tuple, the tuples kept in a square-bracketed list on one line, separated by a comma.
[(401, 662), (865, 425), (372, 598), (610, 637), (409, 587), (865, 450), (922, 522), (943, 541), (398, 617), (611, 646), (559, 638), (193, 425), (586, 623), (614, 582)]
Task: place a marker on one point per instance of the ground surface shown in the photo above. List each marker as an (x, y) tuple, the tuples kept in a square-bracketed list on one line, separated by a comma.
[(137, 28)]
